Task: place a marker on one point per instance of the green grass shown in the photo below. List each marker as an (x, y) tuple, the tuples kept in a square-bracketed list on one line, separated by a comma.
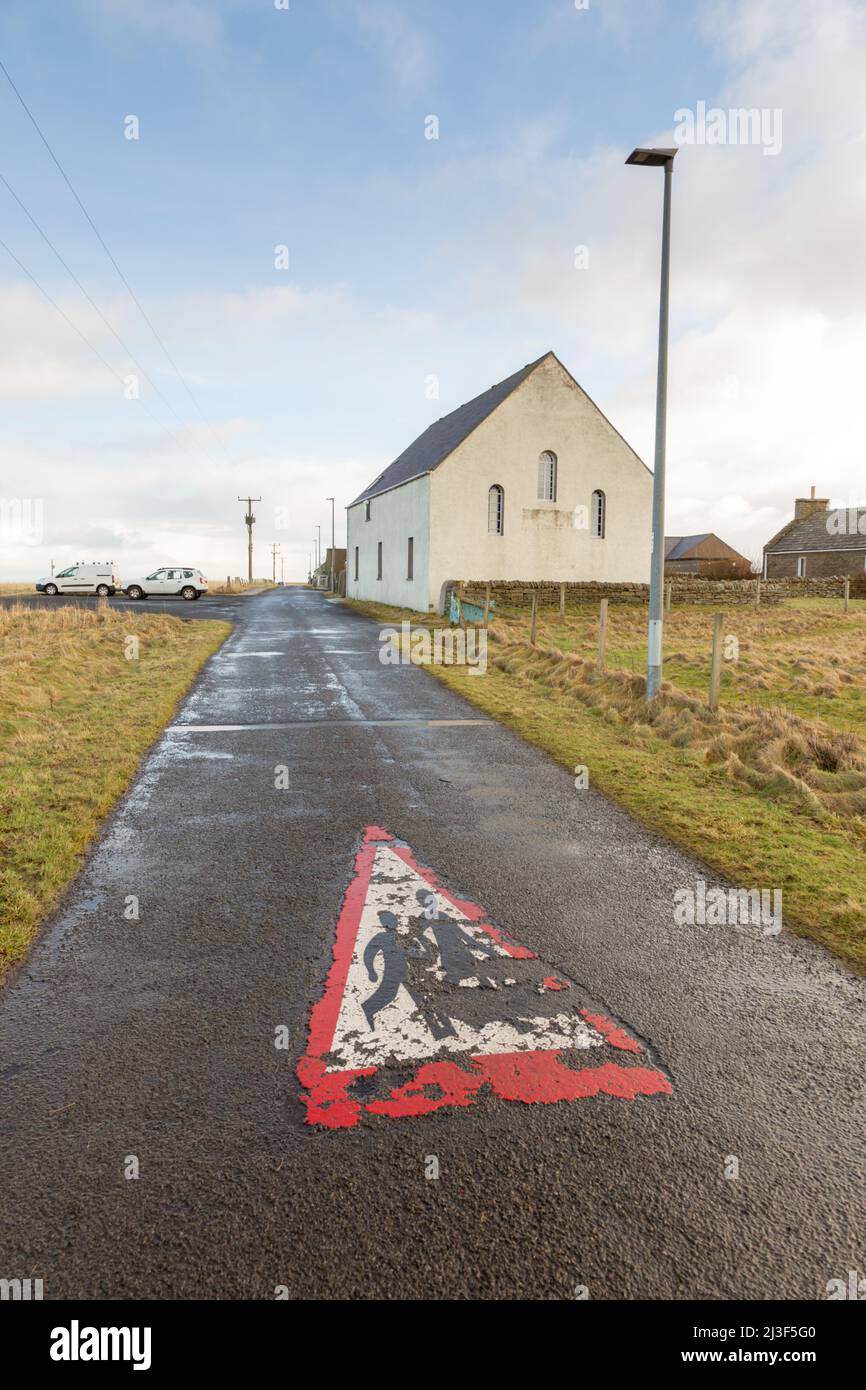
[(703, 781), (75, 718)]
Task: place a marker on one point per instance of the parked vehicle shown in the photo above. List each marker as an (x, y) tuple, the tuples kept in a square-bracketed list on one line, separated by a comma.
[(97, 578), (182, 580)]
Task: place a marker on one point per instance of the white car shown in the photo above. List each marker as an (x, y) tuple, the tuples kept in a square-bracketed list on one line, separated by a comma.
[(183, 580), (96, 578)]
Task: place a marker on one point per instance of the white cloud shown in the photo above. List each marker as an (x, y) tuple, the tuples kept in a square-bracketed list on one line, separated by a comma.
[(768, 286), (141, 519), (769, 314), (42, 358)]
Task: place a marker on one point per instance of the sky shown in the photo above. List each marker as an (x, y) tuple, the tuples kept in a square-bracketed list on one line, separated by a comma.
[(320, 279)]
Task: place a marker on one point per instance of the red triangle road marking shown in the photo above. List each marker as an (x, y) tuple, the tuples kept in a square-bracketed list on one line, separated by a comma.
[(427, 1004)]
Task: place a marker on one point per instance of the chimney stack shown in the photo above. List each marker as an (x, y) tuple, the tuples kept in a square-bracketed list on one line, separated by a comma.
[(807, 506)]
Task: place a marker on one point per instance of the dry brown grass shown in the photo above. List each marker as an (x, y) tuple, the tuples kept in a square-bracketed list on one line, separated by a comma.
[(812, 662), (75, 718), (771, 751), (770, 790), (240, 588)]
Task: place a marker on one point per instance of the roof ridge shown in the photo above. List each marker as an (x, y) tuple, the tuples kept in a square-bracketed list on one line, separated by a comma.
[(815, 531), (434, 444)]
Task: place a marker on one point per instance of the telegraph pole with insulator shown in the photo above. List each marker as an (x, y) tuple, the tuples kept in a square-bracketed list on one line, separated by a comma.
[(249, 522)]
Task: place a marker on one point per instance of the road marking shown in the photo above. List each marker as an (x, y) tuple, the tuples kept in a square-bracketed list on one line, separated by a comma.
[(331, 724), (426, 1003)]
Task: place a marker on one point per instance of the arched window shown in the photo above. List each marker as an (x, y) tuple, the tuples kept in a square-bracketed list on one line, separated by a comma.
[(547, 477), (496, 510), (598, 515)]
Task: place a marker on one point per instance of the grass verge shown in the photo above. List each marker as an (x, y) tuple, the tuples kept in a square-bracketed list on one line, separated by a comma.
[(75, 718), (764, 796), (242, 587)]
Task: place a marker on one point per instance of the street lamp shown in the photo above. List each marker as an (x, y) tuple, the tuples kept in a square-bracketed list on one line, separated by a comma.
[(318, 546), (659, 159), (333, 568)]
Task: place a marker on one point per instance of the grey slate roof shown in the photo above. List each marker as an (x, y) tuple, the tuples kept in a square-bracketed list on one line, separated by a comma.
[(441, 439), (678, 547), (811, 533)]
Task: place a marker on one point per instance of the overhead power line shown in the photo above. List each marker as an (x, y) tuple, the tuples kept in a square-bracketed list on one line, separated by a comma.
[(84, 338), (102, 242), (91, 300)]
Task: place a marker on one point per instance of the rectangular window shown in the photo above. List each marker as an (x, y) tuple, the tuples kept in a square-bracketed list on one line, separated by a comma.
[(801, 567), (356, 562), (379, 560), (410, 563), (367, 511)]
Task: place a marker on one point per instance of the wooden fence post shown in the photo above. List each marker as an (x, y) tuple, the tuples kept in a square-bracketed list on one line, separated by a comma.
[(847, 593), (562, 600), (758, 592), (487, 604), (716, 667), (602, 634), (534, 622), (669, 595)]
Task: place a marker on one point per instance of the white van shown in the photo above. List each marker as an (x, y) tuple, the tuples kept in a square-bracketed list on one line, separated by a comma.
[(97, 578)]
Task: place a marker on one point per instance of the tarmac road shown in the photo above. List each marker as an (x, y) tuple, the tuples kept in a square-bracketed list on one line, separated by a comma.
[(154, 1039), (209, 606)]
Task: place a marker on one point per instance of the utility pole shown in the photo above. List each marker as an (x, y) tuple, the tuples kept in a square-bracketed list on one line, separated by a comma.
[(249, 522), (659, 159), (274, 548), (332, 575), (318, 546), (282, 569)]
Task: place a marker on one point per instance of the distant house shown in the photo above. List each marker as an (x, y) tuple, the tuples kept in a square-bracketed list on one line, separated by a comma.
[(321, 575), (818, 542), (528, 481), (705, 555)]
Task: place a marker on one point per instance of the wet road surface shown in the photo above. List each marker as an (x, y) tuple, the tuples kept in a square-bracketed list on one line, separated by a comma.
[(150, 1044), (208, 606)]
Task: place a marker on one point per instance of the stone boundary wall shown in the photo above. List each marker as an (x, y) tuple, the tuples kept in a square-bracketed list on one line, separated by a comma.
[(686, 588)]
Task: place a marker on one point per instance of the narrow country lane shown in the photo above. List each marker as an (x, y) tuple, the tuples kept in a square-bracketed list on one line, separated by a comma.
[(155, 1040)]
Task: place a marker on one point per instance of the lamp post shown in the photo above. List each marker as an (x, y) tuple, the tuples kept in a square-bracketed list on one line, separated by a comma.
[(659, 159), (333, 565), (318, 545)]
